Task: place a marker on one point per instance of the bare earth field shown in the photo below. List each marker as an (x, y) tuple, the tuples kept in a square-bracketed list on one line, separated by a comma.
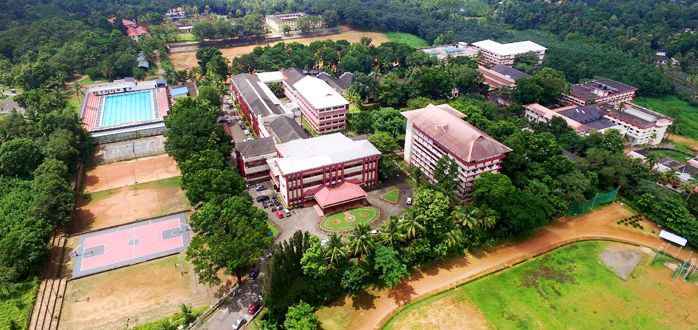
[(187, 60), (122, 174), (136, 294), (123, 205)]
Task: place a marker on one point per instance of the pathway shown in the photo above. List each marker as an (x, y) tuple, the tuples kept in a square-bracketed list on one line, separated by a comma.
[(371, 310), (161, 72)]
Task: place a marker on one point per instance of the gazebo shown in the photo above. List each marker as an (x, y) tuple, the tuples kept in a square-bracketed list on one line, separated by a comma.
[(347, 195)]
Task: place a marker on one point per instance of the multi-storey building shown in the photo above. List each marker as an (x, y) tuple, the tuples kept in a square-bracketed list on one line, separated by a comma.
[(278, 21), (493, 53), (252, 158), (642, 125), (257, 102), (321, 105), (440, 131), (600, 91), (304, 167), (501, 76)]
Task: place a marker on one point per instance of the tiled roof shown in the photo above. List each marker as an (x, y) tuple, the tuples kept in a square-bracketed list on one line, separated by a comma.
[(588, 90), (258, 96), (347, 191), (446, 126), (509, 72), (257, 147), (584, 114), (286, 129)]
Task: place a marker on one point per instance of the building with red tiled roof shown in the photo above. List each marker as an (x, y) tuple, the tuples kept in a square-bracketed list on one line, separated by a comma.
[(342, 196), (136, 33), (600, 91), (438, 131)]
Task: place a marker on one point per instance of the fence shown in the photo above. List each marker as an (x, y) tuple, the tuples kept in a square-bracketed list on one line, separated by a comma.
[(589, 204)]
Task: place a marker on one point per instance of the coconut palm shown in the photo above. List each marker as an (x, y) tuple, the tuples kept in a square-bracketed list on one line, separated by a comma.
[(689, 187), (334, 250), (467, 216), (361, 242), (453, 237), (77, 87), (391, 233), (411, 225)]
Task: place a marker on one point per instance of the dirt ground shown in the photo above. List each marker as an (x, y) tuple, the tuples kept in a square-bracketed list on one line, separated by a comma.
[(440, 316), (132, 295), (691, 143), (122, 174), (374, 311), (187, 60), (622, 263), (118, 206)]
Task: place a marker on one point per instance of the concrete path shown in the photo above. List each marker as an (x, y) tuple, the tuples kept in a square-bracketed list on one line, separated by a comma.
[(371, 310)]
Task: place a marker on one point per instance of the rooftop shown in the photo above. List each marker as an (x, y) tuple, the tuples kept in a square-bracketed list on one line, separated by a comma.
[(447, 126), (268, 77), (304, 154), (319, 93), (179, 91), (258, 96), (549, 114), (347, 191), (509, 72), (640, 117), (599, 88), (584, 114), (339, 84), (286, 129), (513, 48), (292, 75), (259, 147)]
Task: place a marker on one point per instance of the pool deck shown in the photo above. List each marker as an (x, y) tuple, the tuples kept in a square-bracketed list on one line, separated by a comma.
[(92, 111)]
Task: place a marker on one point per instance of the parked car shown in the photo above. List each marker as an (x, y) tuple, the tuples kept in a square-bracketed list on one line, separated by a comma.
[(279, 214), (409, 201), (247, 132), (254, 307), (262, 198), (287, 213), (254, 273), (260, 187), (237, 325)]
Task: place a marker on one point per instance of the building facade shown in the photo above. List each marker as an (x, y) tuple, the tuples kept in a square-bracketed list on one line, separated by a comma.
[(501, 76), (440, 131), (304, 167), (277, 22), (493, 53), (252, 158), (321, 105), (257, 102), (642, 125), (600, 91)]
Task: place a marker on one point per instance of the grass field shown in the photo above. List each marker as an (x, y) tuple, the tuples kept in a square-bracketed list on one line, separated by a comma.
[(685, 114), (406, 38), (181, 37), (16, 302), (345, 221), (673, 154), (559, 290), (170, 322), (392, 195), (275, 231)]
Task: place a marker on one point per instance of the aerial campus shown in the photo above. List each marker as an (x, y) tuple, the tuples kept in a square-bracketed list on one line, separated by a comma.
[(348, 165)]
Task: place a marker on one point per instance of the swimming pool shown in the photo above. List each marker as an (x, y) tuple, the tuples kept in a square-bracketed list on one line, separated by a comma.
[(127, 108)]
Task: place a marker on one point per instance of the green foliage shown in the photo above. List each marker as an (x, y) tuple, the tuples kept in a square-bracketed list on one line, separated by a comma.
[(301, 317), (545, 87), (207, 93), (16, 300), (191, 128), (186, 316), (390, 269), (53, 198), (685, 114), (19, 157), (446, 176), (313, 261), (387, 145), (407, 39), (354, 278), (210, 184)]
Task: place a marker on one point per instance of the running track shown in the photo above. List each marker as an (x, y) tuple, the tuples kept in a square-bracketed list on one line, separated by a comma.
[(385, 303)]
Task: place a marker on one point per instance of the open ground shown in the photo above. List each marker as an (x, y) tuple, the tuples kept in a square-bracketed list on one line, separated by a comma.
[(123, 205), (187, 60), (122, 174), (368, 310), (568, 286)]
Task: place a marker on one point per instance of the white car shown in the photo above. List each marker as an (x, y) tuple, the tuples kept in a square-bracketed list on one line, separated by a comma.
[(237, 325), (409, 201)]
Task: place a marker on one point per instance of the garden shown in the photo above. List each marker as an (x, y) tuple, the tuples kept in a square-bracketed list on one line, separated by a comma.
[(392, 196), (347, 220)]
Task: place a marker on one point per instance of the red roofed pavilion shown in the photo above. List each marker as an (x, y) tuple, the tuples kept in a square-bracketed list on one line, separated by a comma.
[(346, 195)]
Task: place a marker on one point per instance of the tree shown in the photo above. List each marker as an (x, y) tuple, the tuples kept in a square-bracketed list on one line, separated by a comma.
[(209, 184), (335, 251), (364, 86), (53, 198), (433, 83), (527, 91), (354, 278), (217, 67), (446, 38), (411, 226), (61, 145), (361, 121), (331, 17), (389, 267), (361, 243), (313, 262), (230, 236), (391, 233), (209, 94), (388, 120), (206, 54), (191, 128), (492, 189), (466, 79), (286, 29), (446, 176), (301, 317), (387, 145), (19, 157), (391, 92)]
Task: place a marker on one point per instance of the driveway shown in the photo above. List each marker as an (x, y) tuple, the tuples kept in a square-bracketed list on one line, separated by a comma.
[(236, 307)]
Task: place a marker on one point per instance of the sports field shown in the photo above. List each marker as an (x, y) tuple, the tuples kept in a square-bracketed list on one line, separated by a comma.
[(566, 288), (126, 173), (346, 221), (123, 205), (187, 60), (132, 295), (406, 38)]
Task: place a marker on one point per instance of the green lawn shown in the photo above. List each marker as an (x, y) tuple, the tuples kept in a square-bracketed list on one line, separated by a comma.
[(407, 38), (392, 195), (685, 114), (16, 302), (339, 221), (567, 288), (170, 322), (181, 37), (275, 231), (673, 154)]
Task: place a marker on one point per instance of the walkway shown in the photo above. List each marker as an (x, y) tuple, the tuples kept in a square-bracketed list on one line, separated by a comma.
[(371, 310)]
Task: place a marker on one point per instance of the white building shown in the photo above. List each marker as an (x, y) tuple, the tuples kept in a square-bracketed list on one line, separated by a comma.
[(493, 53), (642, 125), (277, 22), (438, 131)]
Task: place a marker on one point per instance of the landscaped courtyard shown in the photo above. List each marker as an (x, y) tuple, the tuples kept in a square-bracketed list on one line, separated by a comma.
[(347, 220), (392, 195)]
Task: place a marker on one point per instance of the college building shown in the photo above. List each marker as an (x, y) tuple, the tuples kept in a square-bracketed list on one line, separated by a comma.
[(257, 102), (277, 22), (321, 106), (501, 76), (305, 167), (493, 53), (600, 91), (438, 131)]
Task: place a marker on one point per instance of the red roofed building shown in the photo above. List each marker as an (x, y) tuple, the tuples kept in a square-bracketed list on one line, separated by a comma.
[(137, 32), (440, 130), (344, 196)]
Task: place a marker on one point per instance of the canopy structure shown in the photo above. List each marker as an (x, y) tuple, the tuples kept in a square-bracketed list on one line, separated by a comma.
[(346, 192), (671, 237)]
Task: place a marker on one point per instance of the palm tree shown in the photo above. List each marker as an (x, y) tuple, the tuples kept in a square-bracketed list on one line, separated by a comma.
[(335, 249), (391, 233), (77, 87), (467, 216), (361, 242), (689, 187), (487, 218), (411, 225), (453, 237)]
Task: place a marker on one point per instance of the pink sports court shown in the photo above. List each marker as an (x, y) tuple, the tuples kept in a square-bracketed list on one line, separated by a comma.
[(130, 244)]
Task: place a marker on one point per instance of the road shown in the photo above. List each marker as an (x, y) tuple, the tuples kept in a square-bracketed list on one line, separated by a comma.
[(236, 307), (371, 310)]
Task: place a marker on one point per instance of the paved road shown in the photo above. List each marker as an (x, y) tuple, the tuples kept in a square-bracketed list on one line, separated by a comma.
[(236, 307), (374, 308)]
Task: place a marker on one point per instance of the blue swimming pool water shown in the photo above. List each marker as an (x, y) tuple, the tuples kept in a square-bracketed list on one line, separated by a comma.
[(127, 108)]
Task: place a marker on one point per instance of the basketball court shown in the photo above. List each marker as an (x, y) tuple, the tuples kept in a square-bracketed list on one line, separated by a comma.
[(130, 244)]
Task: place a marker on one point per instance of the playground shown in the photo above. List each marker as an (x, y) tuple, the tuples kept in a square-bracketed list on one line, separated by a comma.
[(569, 286), (127, 173), (130, 244), (347, 220)]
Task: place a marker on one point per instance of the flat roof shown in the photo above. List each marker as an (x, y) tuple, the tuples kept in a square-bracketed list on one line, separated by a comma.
[(593, 90), (267, 77), (513, 48), (319, 93), (259, 97), (640, 117), (304, 154), (584, 114)]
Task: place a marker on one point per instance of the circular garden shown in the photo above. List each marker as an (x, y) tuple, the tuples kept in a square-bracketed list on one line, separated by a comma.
[(347, 220)]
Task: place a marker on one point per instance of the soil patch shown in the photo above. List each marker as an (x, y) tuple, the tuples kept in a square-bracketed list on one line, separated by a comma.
[(122, 174), (450, 312), (622, 263)]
